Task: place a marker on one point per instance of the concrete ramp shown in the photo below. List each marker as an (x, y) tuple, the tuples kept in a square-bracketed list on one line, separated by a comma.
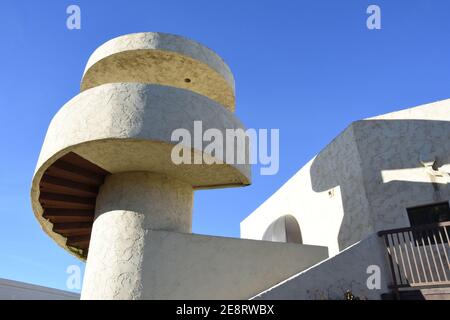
[(361, 269)]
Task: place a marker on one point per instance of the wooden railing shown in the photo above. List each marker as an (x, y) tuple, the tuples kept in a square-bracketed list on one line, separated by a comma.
[(419, 256)]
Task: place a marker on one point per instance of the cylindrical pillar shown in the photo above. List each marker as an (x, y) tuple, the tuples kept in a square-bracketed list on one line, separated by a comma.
[(127, 206)]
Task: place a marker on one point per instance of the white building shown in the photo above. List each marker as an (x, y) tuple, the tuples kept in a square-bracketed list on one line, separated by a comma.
[(386, 172), (16, 290)]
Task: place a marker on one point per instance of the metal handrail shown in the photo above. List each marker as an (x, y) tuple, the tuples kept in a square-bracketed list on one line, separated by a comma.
[(418, 256)]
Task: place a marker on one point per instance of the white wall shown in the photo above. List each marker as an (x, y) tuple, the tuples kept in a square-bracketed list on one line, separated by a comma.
[(330, 279), (315, 197), (186, 266), (374, 169), (15, 290), (392, 148), (319, 215)]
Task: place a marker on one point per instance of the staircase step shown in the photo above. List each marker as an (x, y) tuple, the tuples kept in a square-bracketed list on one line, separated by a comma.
[(73, 228), (54, 200), (58, 215), (68, 171), (51, 184)]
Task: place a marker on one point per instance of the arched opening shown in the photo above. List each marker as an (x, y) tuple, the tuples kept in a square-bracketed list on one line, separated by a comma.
[(284, 229)]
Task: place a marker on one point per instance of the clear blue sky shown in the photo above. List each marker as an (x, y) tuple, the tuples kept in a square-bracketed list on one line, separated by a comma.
[(308, 68)]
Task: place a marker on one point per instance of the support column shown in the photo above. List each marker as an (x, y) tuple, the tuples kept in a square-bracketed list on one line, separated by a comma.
[(127, 206)]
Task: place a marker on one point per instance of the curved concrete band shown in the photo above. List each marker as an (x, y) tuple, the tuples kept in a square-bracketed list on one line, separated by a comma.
[(98, 121), (164, 59), (124, 127)]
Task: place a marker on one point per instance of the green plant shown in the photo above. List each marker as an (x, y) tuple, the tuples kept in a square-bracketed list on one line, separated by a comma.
[(350, 296)]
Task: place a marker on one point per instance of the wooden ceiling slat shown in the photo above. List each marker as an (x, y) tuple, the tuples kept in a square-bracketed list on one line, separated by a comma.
[(68, 212), (60, 227), (77, 239), (57, 215), (73, 228), (71, 233), (75, 159), (53, 204), (64, 186), (54, 200), (68, 171), (81, 242)]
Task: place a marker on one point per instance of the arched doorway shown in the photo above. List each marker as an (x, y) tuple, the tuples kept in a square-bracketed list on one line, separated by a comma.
[(284, 229)]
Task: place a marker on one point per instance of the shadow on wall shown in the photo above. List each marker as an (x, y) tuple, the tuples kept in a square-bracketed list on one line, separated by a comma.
[(382, 168)]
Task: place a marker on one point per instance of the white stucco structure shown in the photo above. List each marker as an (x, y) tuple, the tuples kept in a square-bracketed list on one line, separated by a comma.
[(363, 182), (175, 265), (365, 179), (107, 190), (331, 278)]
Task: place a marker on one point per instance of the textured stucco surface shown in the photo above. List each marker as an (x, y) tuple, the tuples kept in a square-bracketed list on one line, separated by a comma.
[(162, 202), (152, 264), (128, 204), (317, 196), (393, 148), (164, 59), (365, 179), (331, 278), (139, 112), (438, 110)]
